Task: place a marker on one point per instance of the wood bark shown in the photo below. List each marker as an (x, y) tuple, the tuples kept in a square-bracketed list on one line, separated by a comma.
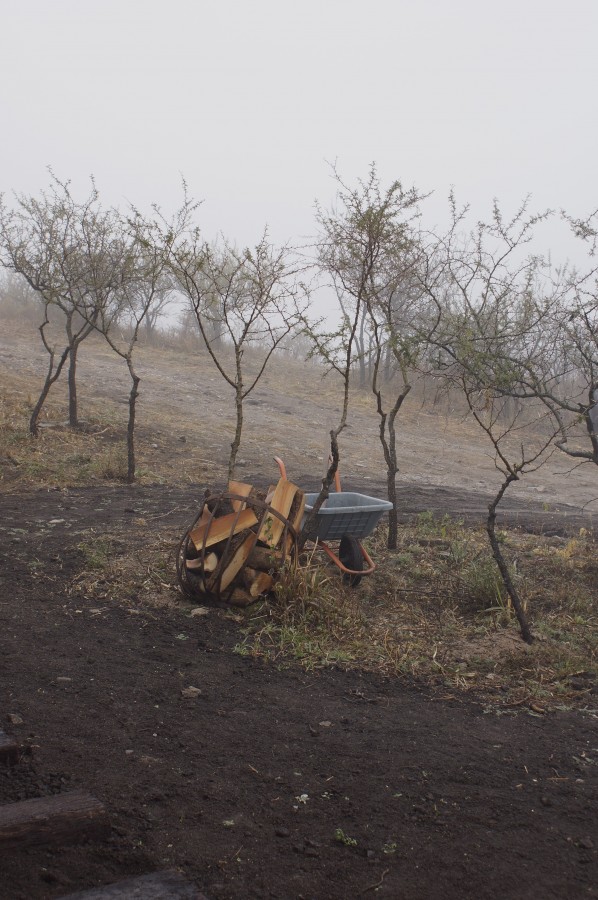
[(72, 381), (166, 885), (501, 562), (61, 818), (9, 749), (134, 393), (241, 597), (265, 559)]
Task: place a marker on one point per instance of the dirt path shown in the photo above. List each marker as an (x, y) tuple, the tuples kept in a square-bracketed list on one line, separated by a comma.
[(260, 785), (185, 424), (270, 783)]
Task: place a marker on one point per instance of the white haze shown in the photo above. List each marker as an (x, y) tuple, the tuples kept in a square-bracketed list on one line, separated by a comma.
[(251, 101)]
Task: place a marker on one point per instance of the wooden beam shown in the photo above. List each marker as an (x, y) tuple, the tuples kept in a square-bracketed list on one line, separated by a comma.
[(61, 818), (156, 886)]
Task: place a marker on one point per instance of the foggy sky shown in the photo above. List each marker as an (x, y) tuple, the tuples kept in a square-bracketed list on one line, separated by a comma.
[(249, 100)]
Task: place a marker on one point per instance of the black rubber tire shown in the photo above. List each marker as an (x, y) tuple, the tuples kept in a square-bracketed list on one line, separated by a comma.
[(351, 556)]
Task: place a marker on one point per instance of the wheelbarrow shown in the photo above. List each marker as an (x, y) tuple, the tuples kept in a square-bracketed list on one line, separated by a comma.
[(344, 518)]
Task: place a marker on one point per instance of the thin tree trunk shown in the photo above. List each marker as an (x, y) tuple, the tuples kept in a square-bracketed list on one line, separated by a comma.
[(393, 519), (131, 423), (360, 341), (501, 563), (310, 521), (51, 377), (73, 420), (234, 447)]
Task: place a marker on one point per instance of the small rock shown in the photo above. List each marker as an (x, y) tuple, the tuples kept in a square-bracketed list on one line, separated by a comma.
[(183, 439), (586, 843), (63, 679), (191, 692), (325, 724), (545, 801), (200, 611), (15, 719), (129, 752), (154, 446), (282, 832), (56, 522), (241, 462)]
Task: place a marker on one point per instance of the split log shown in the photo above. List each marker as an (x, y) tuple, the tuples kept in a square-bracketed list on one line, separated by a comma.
[(256, 582), (196, 581), (166, 885), (241, 597), (239, 487), (208, 565), (219, 505), (238, 560), (262, 584), (68, 817), (295, 517), (249, 576), (265, 559), (282, 500), (9, 749), (220, 529)]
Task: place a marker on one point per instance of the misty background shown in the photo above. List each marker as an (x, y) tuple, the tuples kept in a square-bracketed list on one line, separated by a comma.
[(252, 102)]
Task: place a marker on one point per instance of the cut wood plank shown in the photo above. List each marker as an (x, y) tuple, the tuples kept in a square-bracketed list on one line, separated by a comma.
[(68, 817), (9, 749), (282, 500), (220, 529), (237, 561), (239, 487), (166, 885)]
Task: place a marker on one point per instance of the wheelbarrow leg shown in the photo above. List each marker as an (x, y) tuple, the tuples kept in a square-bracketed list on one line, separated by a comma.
[(351, 556)]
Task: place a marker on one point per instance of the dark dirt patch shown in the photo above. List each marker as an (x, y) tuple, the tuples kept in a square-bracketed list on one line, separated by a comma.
[(259, 786)]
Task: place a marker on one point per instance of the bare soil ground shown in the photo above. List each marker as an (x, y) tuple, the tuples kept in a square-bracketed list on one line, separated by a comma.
[(272, 782)]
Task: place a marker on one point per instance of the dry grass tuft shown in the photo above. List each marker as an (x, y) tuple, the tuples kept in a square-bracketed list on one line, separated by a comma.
[(435, 611)]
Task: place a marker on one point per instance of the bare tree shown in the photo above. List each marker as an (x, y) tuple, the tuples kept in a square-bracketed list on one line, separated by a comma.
[(245, 303), (362, 246), (490, 331), (67, 252), (518, 449), (398, 315), (141, 292)]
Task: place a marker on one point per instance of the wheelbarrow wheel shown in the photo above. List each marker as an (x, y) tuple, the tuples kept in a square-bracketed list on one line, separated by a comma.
[(350, 555)]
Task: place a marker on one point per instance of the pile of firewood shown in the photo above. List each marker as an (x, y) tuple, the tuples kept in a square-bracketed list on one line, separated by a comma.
[(239, 542)]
